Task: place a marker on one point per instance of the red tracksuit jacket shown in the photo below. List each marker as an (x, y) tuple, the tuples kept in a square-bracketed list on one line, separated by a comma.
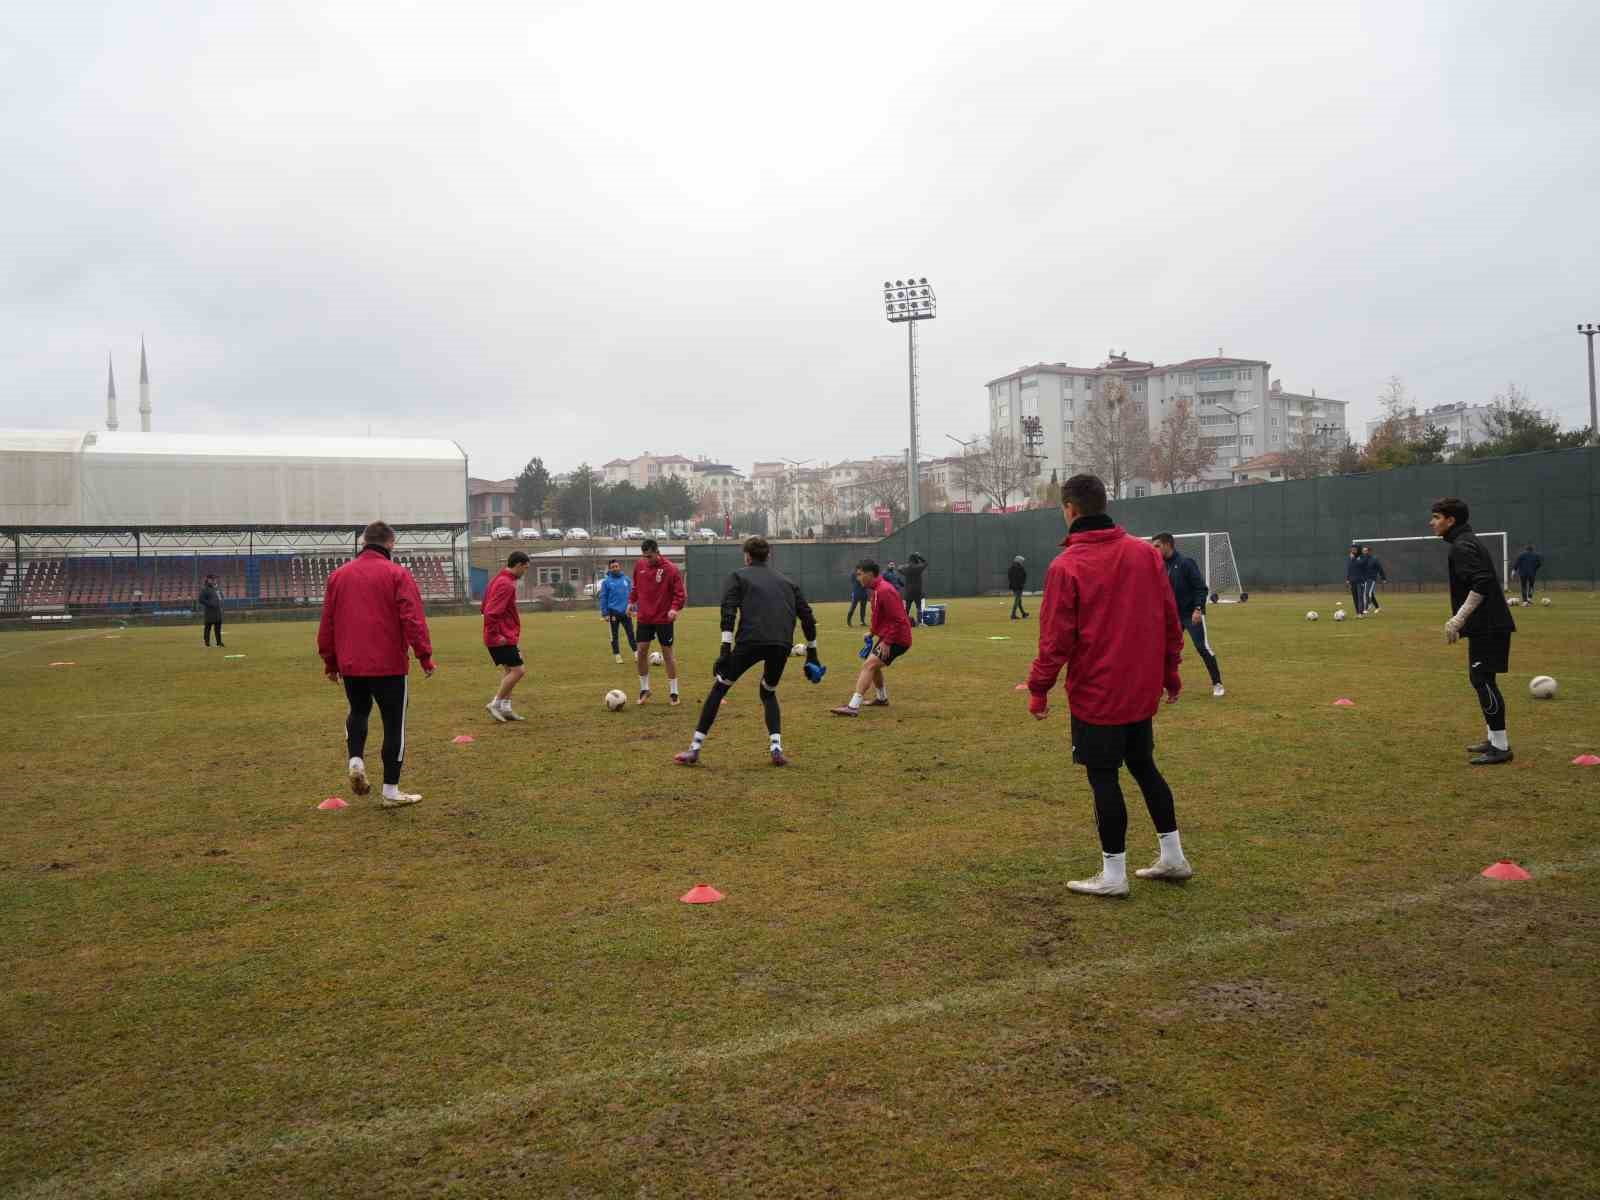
[(657, 591), (502, 623), (1109, 617), (890, 624), (371, 610)]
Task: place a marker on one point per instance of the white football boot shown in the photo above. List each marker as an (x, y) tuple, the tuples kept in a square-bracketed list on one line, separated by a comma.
[(1098, 886), (1176, 872), (358, 777), (399, 801)]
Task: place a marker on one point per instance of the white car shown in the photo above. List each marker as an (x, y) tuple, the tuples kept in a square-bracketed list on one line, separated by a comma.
[(661, 533), (632, 534), (502, 534), (577, 535), (527, 535), (705, 533)]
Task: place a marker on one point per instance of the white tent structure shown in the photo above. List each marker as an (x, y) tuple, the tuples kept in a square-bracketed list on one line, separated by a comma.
[(64, 478)]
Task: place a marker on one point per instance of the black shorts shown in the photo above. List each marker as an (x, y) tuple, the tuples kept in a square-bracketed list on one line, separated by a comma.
[(772, 658), (886, 653), (1107, 746), (505, 656), (654, 633), (1489, 654)]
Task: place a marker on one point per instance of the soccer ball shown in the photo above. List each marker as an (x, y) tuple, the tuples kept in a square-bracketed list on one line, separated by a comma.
[(616, 699), (1546, 602), (1311, 616), (1338, 614), (1542, 687), (799, 650), (655, 658)]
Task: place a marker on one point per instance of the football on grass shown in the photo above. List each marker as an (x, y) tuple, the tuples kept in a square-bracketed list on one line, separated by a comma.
[(1542, 687), (1338, 614), (1311, 616), (655, 658), (799, 650), (615, 699), (1545, 601)]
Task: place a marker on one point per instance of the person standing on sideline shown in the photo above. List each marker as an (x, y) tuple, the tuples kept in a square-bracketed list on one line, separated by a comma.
[(1527, 566), (1109, 617), (892, 574), (371, 611), (1356, 576), (1016, 580), (658, 598), (1189, 593), (765, 604), (1483, 618), (211, 605), (614, 592), (858, 595), (1373, 570), (916, 568), (891, 639), (502, 630)]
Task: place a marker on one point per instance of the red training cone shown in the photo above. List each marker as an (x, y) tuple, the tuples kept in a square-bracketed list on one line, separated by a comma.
[(1587, 760), (701, 893), (332, 803), (462, 739), (1504, 869), (1344, 702)]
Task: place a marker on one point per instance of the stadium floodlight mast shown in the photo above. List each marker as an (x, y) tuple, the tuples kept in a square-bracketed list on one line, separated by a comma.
[(907, 301), (1589, 331)]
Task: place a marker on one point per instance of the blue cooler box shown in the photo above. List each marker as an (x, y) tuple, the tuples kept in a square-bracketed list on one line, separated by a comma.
[(933, 614)]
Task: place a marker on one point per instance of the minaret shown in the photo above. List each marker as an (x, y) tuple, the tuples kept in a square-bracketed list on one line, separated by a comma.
[(111, 396), (144, 391)]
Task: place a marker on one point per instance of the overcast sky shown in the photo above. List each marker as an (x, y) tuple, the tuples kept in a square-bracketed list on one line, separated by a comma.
[(616, 227)]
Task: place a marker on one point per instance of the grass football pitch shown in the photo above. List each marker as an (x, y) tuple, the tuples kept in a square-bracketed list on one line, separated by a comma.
[(212, 988)]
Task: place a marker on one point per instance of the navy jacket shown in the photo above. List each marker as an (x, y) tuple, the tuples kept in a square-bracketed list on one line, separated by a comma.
[(858, 594), (1354, 572), (1372, 569), (898, 580), (1527, 565), (1188, 585)]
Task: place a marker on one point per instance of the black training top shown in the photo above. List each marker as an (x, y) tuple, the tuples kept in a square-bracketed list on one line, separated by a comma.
[(766, 603), (1472, 570)]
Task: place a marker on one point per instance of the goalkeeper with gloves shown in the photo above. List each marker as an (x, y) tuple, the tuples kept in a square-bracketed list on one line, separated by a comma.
[(765, 604), (1483, 618)]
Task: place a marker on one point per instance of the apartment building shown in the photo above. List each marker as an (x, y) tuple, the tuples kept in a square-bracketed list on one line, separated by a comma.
[(1463, 424)]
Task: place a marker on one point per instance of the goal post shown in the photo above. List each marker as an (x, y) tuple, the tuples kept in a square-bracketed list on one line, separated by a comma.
[(1422, 561), (1213, 554)]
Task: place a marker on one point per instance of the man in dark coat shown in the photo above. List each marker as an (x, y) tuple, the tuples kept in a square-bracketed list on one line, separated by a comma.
[(211, 606), (916, 567), (1016, 580)]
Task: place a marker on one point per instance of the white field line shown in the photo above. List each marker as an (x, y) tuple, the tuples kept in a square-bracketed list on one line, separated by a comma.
[(77, 637), (168, 1171)]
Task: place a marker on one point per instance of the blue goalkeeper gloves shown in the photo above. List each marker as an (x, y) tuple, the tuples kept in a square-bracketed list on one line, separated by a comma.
[(866, 648)]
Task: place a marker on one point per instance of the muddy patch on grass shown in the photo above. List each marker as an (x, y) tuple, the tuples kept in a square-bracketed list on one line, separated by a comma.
[(1043, 915), (1229, 1000)]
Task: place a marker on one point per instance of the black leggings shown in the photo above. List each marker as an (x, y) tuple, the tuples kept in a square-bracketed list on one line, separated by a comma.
[(1527, 587), (1016, 602), (1111, 813), (772, 659), (213, 624), (1358, 596), (626, 622), (389, 691), (850, 616), (1489, 699)]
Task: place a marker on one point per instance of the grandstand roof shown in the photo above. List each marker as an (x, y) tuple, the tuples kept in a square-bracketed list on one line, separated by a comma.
[(201, 445)]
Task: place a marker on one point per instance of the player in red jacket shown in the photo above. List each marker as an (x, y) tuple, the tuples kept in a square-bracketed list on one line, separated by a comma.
[(371, 611), (658, 598), (1109, 617), (890, 639), (502, 630)]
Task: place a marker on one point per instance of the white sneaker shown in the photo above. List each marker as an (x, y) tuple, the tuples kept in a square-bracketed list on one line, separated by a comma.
[(400, 801), (1177, 872), (507, 715), (1218, 690), (1098, 886), (358, 777), (617, 658), (494, 710)]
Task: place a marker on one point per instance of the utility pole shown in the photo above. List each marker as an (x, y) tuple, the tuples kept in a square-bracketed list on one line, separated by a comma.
[(1588, 332), (909, 301)]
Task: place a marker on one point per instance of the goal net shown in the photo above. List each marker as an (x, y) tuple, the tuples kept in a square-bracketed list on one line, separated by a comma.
[(1213, 554), (1422, 562)]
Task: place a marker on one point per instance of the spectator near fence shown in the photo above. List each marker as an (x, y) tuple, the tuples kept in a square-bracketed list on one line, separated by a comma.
[(211, 606)]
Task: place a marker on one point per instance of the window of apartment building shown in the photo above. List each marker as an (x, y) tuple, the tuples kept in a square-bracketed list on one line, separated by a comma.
[(1229, 440), (1216, 376), (1138, 387), (499, 503), (1248, 439), (1245, 373), (1066, 383), (1216, 419), (1139, 489), (1031, 381), (1029, 404), (1186, 379), (1241, 397), (1274, 422)]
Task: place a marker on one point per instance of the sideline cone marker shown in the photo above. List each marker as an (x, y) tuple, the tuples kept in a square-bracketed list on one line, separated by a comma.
[(1344, 702), (1504, 869), (462, 739), (1587, 760), (332, 803), (999, 639), (701, 893), (1021, 687), (63, 664), (233, 656)]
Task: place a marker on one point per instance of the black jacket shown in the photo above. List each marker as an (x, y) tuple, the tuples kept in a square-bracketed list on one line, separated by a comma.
[(210, 598), (765, 603), (1472, 570), (898, 580), (1355, 570), (1188, 585), (914, 572), (1527, 566), (1016, 577)]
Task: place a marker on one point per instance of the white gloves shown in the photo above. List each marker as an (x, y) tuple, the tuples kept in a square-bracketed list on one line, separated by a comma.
[(1453, 627)]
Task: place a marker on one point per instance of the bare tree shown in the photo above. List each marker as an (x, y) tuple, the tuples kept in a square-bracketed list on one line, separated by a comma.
[(1308, 453), (998, 471), (1117, 444), (885, 484), (1177, 455), (780, 499), (826, 498)]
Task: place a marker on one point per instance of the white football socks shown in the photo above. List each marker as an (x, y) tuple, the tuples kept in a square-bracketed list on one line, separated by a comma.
[(777, 741), (883, 693), (644, 682), (357, 765), (1114, 867), (1171, 848), (697, 741), (672, 687), (391, 791), (855, 699), (1499, 740)]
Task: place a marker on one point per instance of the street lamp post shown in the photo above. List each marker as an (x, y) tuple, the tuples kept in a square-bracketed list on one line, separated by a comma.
[(1238, 430), (1588, 332), (907, 301), (965, 447), (794, 488)]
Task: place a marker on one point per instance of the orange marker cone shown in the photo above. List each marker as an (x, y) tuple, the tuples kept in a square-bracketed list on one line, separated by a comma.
[(1504, 869), (462, 739), (1587, 760), (1344, 702), (332, 803), (701, 893)]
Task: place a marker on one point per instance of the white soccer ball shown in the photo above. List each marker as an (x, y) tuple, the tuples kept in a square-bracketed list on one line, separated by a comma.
[(1546, 602), (1338, 614), (616, 698), (799, 650), (1542, 687), (655, 658), (1311, 616)]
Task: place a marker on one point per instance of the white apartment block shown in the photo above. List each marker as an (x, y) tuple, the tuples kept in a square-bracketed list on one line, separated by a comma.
[(1463, 424), (1240, 415), (649, 468)]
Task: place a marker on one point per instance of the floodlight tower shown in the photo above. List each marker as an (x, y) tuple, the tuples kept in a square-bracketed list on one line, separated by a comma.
[(908, 301), (1589, 331)]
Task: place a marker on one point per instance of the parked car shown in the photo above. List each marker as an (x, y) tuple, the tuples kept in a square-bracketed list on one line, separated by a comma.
[(501, 534), (551, 535), (527, 534), (589, 590), (661, 533), (577, 535), (706, 533), (632, 533)]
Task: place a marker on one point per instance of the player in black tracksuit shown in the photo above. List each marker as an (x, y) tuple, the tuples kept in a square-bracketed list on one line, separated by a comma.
[(1527, 567), (1016, 580), (765, 604), (1189, 590), (1355, 574), (1483, 618)]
